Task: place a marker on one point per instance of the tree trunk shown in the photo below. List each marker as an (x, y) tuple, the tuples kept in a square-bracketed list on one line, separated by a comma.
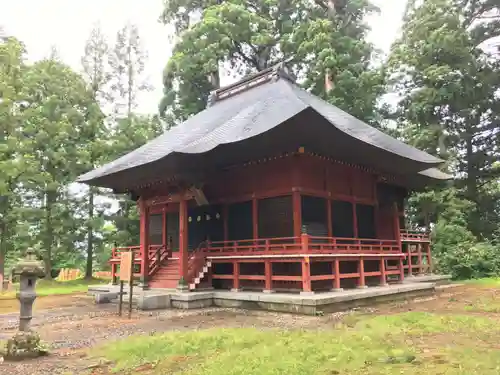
[(48, 239), (90, 236), (3, 251), (3, 235), (471, 187), (471, 183)]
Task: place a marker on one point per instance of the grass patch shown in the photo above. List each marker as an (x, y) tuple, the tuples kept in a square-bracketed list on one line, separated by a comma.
[(409, 343), (484, 304), (53, 287), (488, 282)]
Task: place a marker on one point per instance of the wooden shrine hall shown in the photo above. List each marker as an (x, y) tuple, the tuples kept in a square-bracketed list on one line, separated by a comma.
[(272, 189)]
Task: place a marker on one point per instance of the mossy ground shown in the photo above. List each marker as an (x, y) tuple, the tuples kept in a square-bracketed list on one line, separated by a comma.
[(453, 333), (447, 337)]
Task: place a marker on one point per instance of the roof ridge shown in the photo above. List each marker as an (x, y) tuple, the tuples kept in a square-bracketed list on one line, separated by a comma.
[(279, 70)]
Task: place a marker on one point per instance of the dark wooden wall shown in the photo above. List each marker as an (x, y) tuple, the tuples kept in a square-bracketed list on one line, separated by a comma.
[(311, 175)]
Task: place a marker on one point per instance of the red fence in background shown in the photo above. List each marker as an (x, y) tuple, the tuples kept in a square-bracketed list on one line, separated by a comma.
[(414, 236)]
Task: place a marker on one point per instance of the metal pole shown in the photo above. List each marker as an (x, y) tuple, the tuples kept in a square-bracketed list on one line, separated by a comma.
[(131, 287), (120, 303)]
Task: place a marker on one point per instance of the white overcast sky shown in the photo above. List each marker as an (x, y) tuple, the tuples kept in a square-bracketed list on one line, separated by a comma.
[(66, 24)]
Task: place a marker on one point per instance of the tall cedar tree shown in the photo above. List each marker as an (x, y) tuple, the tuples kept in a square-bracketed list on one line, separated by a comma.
[(321, 40), (13, 165), (129, 131), (448, 74), (96, 73), (54, 119)]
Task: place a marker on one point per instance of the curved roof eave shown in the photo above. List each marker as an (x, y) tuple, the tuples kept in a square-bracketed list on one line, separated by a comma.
[(362, 131), (249, 114), (436, 174)]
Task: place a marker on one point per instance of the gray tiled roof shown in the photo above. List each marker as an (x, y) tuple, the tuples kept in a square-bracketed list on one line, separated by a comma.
[(436, 174), (249, 113)]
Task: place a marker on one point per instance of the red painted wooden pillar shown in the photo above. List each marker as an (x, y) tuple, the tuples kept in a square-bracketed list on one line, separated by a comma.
[(268, 271), (144, 241), (336, 271), (401, 270), (297, 213), (383, 276), (225, 217), (183, 244), (114, 271), (397, 230), (329, 216), (410, 260), (304, 240), (397, 237), (429, 258), (361, 282), (306, 275), (420, 263), (255, 218), (376, 212), (355, 219), (164, 238), (236, 276)]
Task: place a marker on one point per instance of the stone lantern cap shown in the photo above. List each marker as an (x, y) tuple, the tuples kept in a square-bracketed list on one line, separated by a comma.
[(29, 266)]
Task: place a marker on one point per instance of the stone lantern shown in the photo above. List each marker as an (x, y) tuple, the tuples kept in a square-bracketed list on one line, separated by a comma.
[(26, 343), (29, 270)]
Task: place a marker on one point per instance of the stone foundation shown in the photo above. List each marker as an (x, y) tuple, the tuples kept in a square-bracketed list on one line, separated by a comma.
[(310, 304)]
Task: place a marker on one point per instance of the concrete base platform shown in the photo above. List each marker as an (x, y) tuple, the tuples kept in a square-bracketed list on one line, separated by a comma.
[(313, 304), (437, 279)]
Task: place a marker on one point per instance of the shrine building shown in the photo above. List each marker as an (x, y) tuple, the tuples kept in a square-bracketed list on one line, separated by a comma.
[(270, 188)]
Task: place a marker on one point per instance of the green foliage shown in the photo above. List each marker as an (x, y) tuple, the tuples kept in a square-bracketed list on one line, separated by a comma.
[(53, 127), (56, 102), (457, 252), (448, 79), (455, 248), (246, 37)]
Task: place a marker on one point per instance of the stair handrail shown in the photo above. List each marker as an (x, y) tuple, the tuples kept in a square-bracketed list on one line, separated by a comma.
[(196, 259), (162, 253)]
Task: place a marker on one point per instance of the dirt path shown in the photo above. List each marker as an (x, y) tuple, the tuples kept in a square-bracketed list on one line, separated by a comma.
[(11, 305), (77, 324)]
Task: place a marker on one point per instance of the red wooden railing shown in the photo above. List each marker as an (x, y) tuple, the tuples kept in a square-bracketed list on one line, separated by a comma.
[(414, 236), (157, 258), (301, 245), (305, 244), (196, 261), (155, 252), (253, 246), (352, 245)]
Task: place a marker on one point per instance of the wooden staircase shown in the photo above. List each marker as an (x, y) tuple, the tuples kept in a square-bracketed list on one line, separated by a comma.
[(167, 276), (163, 269)]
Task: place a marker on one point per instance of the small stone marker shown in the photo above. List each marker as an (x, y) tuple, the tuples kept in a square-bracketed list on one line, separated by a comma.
[(26, 343)]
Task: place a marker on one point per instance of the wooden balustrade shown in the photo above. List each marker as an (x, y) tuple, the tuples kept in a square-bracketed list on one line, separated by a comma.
[(196, 261), (414, 236), (301, 245), (299, 249), (155, 252)]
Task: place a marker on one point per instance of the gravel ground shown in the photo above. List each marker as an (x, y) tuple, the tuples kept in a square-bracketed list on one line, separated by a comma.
[(73, 325), (71, 330)]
